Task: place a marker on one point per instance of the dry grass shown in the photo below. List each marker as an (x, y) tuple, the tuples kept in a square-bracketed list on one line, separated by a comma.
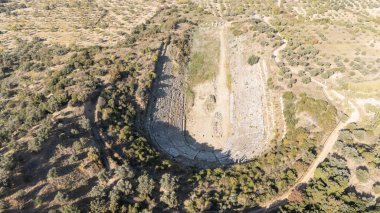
[(75, 22), (204, 59)]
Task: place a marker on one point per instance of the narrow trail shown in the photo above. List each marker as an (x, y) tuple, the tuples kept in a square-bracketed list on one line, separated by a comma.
[(277, 51), (276, 54), (326, 150), (328, 144)]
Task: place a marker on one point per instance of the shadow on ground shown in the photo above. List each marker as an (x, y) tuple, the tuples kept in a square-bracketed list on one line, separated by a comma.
[(182, 148)]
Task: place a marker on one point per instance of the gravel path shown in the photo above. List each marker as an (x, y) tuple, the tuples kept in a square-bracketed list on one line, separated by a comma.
[(326, 150)]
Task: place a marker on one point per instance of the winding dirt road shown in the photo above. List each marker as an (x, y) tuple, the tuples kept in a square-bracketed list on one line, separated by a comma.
[(326, 150), (328, 144)]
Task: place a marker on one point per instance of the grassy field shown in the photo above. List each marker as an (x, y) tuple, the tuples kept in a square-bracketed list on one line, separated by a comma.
[(364, 89), (204, 59)]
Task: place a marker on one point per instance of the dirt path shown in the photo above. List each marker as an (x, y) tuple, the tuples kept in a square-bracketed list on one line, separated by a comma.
[(362, 102), (329, 143), (326, 150), (277, 51), (276, 54), (284, 42)]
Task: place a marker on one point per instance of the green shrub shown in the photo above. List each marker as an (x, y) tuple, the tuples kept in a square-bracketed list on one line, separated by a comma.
[(3, 205), (98, 205), (61, 197), (252, 60), (124, 186), (145, 185), (169, 185), (52, 173), (37, 202), (362, 174), (170, 199), (376, 188), (70, 209), (85, 123), (124, 171), (41, 136), (98, 191), (306, 80)]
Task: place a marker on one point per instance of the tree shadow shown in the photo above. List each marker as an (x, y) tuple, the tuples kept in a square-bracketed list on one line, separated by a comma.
[(33, 167)]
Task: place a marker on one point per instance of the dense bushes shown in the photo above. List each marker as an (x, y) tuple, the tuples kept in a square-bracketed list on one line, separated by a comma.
[(367, 156), (29, 107), (289, 110), (297, 53), (169, 186), (31, 56), (321, 111), (329, 191), (262, 27)]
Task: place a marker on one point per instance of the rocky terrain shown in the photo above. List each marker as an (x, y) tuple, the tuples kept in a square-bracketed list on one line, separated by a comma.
[(224, 125), (189, 106), (166, 120)]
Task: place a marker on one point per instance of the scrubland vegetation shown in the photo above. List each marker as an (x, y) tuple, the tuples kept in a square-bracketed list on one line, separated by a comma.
[(80, 114), (72, 135)]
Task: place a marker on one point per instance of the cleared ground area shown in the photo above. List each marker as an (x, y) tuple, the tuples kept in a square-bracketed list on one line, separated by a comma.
[(208, 117)]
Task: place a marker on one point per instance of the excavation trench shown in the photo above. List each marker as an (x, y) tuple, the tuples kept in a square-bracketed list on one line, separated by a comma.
[(233, 129)]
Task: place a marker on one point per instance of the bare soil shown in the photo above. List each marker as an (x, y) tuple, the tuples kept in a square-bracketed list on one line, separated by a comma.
[(208, 119)]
